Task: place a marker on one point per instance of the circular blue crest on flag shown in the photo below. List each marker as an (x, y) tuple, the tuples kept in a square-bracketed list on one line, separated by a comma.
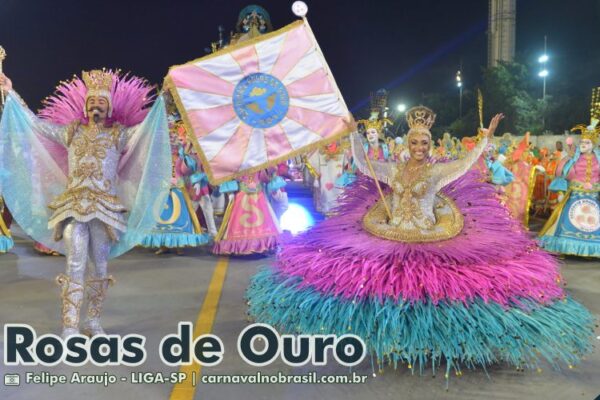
[(260, 100)]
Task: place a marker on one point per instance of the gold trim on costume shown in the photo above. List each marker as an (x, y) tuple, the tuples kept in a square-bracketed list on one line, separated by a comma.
[(555, 214), (225, 221), (253, 211), (70, 307), (74, 196), (3, 228), (191, 211), (530, 187), (447, 226), (96, 294), (309, 167)]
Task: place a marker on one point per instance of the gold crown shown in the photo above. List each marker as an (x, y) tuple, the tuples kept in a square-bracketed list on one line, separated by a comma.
[(591, 131), (375, 124), (98, 83), (97, 80), (420, 117)]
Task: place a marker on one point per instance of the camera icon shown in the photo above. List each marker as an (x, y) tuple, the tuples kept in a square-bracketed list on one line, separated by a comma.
[(12, 380)]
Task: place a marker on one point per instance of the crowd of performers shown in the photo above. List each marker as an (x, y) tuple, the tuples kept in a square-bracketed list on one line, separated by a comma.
[(242, 216), (247, 209), (427, 255), (550, 190)]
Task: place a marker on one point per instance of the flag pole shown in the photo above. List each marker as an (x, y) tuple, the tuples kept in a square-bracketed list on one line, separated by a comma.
[(300, 9), (385, 205), (320, 53), (480, 107)]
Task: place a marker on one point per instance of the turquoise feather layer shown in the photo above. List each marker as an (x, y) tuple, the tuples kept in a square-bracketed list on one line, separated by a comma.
[(422, 334)]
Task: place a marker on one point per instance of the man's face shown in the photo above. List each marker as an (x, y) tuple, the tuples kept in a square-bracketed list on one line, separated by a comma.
[(559, 146), (586, 146), (98, 105), (372, 135)]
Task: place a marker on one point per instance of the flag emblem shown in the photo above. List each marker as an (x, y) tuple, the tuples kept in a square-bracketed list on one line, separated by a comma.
[(260, 100)]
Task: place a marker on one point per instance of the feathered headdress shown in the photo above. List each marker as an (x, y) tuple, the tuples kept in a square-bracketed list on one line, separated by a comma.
[(129, 97), (98, 83), (377, 124)]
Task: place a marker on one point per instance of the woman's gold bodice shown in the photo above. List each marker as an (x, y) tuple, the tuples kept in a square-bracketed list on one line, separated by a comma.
[(420, 212)]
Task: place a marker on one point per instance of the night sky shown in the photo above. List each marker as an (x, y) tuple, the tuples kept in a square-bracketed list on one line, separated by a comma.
[(409, 47)]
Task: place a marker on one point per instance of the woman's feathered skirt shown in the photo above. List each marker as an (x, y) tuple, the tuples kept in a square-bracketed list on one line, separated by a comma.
[(485, 296)]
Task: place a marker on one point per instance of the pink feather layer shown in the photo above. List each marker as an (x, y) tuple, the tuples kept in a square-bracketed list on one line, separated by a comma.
[(130, 94), (493, 257)]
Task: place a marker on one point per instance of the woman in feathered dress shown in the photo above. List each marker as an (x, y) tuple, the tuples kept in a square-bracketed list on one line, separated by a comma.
[(448, 278)]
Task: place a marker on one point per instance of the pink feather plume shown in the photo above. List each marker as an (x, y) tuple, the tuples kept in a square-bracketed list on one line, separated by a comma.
[(131, 97)]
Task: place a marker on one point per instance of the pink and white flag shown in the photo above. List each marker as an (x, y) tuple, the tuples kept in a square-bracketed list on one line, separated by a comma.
[(258, 103)]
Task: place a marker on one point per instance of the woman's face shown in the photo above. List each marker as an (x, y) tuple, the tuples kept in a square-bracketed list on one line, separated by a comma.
[(372, 135), (418, 146)]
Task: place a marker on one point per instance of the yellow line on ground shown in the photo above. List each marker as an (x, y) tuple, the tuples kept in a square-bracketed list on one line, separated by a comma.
[(204, 323)]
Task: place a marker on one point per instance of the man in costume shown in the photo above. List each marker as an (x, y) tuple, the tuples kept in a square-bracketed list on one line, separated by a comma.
[(199, 191), (558, 150), (375, 127), (250, 224), (96, 171), (375, 147), (574, 226), (551, 166), (518, 191)]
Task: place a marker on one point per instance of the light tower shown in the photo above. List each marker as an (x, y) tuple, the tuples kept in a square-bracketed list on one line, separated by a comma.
[(459, 85), (501, 31), (543, 60)]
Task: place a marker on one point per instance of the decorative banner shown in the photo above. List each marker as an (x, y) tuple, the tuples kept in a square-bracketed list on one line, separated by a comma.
[(259, 102)]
